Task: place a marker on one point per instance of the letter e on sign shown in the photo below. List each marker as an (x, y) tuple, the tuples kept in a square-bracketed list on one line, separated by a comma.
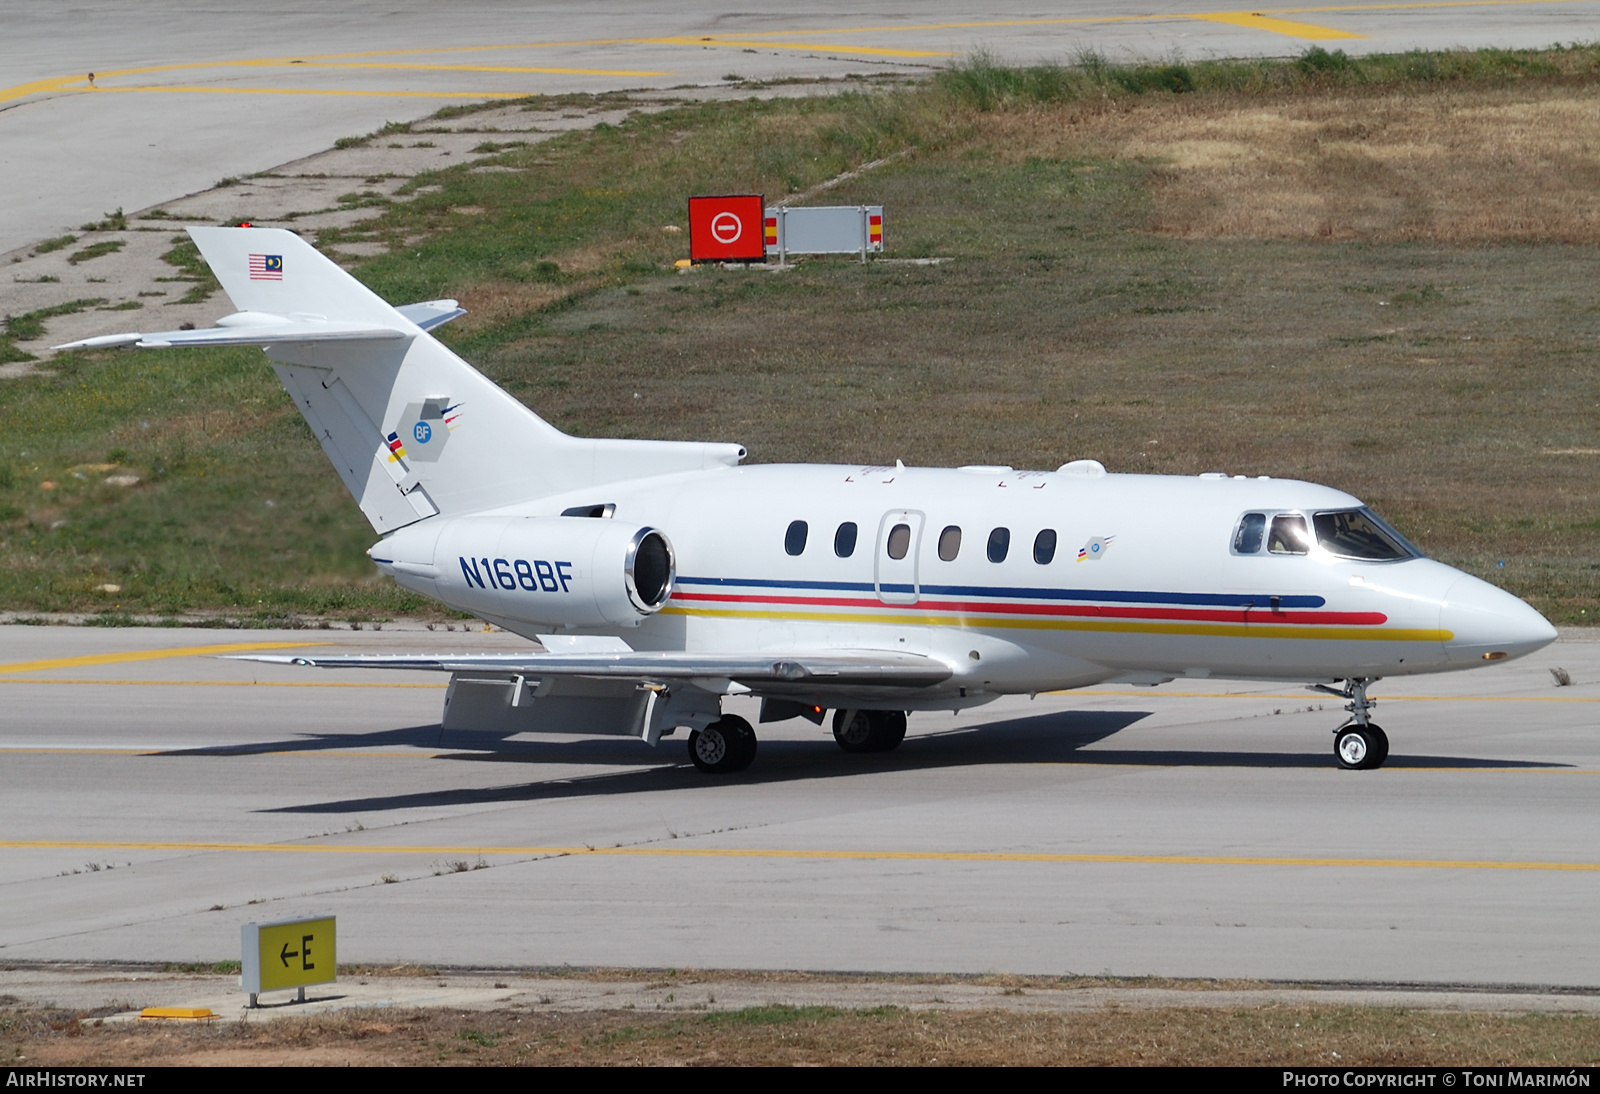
[(727, 228)]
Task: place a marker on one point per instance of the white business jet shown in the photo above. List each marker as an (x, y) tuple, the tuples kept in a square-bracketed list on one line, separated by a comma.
[(661, 576)]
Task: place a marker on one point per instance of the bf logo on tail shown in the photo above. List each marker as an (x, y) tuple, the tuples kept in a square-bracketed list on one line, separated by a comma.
[(428, 424)]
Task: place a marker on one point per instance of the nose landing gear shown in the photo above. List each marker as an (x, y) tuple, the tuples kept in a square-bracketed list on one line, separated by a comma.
[(1361, 744)]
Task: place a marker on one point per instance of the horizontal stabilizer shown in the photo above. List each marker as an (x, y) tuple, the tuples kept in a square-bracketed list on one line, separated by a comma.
[(846, 668), (411, 429), (432, 313), (247, 329)]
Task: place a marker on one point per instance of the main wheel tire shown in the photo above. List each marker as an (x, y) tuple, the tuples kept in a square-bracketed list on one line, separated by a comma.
[(1380, 750), (894, 729), (855, 730), (725, 746), (869, 730), (743, 737), (1356, 748)]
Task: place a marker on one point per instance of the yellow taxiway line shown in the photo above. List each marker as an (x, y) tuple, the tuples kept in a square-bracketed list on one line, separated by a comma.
[(233, 683), (178, 89), (234, 752), (1264, 19), (148, 655), (1254, 20), (815, 855)]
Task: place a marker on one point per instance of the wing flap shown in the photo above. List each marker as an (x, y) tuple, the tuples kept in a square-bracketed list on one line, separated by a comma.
[(832, 669)]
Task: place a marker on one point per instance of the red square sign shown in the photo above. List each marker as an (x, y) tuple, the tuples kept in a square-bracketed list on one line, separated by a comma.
[(727, 228)]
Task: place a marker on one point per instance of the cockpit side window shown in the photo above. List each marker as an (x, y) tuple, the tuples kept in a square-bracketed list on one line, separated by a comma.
[(1252, 528), (1361, 534), (1289, 535)]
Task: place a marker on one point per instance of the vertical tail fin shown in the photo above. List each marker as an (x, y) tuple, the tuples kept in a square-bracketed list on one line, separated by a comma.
[(411, 428)]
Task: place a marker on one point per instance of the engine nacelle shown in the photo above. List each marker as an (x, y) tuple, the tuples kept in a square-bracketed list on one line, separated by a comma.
[(561, 571)]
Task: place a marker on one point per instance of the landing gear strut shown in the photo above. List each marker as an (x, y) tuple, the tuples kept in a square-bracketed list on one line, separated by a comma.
[(725, 746), (1360, 744), (869, 730)]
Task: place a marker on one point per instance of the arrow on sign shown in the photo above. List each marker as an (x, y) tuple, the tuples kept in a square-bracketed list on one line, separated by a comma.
[(285, 955)]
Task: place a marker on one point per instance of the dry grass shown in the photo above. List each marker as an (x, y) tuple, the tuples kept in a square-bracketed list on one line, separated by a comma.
[(494, 303), (1456, 165), (1459, 166), (1250, 1036)]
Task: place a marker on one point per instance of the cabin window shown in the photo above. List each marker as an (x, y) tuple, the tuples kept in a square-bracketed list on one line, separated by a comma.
[(1289, 535), (1362, 534), (844, 540), (999, 544), (899, 541), (949, 544), (794, 540), (1252, 529), (1044, 547)]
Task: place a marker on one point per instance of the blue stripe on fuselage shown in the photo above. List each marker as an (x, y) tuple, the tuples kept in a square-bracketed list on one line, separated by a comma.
[(1112, 596)]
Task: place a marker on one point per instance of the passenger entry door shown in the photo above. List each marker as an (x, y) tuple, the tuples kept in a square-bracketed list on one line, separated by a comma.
[(898, 546)]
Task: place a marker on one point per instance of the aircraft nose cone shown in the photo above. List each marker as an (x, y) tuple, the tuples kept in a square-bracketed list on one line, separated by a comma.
[(1485, 621)]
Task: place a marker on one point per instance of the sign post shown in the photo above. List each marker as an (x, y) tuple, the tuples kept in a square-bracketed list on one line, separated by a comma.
[(290, 953)]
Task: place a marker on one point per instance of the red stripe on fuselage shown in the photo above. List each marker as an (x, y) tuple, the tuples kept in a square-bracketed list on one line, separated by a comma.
[(1104, 611)]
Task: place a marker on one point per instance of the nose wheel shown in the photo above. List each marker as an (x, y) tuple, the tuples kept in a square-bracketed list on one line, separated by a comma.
[(723, 747), (1361, 748)]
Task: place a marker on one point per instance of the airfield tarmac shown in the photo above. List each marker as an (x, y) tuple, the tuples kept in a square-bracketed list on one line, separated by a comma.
[(154, 797), (185, 94), (149, 806)]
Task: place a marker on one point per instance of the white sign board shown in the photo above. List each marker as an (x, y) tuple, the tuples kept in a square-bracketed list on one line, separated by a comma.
[(824, 230)]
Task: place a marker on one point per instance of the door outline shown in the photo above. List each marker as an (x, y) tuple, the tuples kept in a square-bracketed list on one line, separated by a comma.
[(895, 580)]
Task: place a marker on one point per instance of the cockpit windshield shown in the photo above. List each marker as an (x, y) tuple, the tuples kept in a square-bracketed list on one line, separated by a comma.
[(1361, 534), (1343, 533)]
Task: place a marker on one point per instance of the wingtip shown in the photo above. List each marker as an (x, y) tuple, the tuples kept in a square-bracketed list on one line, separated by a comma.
[(102, 341)]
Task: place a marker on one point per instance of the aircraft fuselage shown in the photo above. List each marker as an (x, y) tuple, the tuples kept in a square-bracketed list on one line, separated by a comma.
[(1021, 581)]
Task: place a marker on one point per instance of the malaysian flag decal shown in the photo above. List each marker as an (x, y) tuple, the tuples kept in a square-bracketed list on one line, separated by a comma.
[(266, 267)]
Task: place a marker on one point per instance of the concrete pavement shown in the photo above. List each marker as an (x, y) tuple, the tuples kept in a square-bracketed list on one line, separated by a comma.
[(151, 806)]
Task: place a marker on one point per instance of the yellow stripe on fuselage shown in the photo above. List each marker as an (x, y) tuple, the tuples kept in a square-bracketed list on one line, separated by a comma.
[(1114, 626)]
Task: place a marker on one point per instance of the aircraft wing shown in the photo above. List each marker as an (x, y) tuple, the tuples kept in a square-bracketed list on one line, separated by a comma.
[(835, 668)]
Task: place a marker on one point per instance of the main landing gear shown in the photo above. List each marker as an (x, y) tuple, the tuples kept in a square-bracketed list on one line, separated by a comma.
[(869, 730), (723, 747), (1361, 744), (729, 744)]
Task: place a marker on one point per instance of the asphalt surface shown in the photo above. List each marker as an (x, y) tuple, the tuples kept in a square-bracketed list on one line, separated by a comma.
[(150, 806), (185, 95)]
